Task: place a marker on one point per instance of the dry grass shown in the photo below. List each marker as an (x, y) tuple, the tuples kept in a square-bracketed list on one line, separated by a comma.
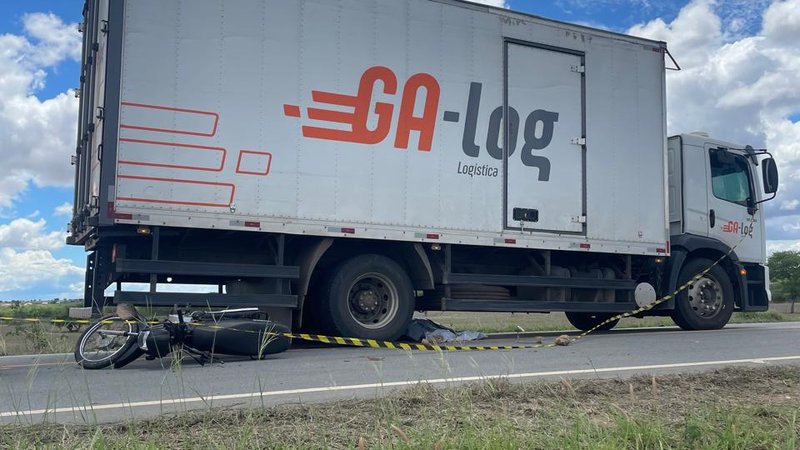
[(35, 338), (730, 408), (510, 322)]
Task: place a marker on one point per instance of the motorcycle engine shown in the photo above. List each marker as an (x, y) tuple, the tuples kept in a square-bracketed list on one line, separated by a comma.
[(155, 342)]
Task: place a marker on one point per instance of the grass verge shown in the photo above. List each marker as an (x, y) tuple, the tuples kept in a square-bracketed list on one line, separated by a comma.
[(729, 408), (34, 338)]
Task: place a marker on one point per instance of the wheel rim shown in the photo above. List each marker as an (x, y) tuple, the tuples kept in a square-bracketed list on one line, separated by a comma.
[(97, 346), (705, 297), (373, 300)]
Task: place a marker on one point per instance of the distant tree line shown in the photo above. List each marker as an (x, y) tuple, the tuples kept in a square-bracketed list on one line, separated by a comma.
[(784, 274)]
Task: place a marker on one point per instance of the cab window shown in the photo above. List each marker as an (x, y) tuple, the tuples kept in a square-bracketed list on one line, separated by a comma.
[(730, 177)]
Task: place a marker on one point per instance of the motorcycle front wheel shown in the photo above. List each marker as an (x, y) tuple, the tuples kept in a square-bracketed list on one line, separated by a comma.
[(105, 341)]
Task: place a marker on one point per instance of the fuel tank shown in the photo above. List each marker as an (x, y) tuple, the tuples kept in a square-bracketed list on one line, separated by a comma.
[(240, 337)]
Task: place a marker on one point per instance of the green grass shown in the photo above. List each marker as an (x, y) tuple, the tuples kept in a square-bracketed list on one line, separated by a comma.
[(44, 310), (722, 409), (32, 338), (35, 339)]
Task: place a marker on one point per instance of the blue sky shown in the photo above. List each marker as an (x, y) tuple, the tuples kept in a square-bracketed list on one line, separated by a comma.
[(65, 75), (743, 37)]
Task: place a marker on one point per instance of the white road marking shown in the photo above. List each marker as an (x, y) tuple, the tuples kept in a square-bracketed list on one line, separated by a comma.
[(353, 387)]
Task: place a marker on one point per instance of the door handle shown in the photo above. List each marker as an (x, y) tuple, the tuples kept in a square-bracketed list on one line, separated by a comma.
[(711, 218)]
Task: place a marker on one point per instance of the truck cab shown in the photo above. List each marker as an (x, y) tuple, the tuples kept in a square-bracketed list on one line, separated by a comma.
[(715, 194)]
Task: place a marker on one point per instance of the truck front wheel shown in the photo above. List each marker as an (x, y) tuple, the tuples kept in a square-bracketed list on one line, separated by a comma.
[(368, 296), (587, 321), (707, 303)]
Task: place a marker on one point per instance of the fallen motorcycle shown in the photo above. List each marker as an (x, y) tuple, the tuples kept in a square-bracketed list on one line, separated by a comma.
[(122, 338)]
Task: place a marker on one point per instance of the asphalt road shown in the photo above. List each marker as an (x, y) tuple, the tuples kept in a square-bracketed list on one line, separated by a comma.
[(54, 388)]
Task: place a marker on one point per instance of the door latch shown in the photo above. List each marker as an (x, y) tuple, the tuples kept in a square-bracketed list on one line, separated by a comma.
[(578, 69), (578, 141)]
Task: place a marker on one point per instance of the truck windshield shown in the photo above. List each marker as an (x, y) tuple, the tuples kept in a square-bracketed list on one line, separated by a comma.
[(730, 179)]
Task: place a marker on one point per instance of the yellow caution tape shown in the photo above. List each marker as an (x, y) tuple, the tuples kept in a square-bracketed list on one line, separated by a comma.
[(338, 340), (355, 342), (66, 321)]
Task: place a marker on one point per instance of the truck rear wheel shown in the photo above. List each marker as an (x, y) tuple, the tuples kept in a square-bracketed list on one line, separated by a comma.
[(707, 304), (587, 321), (368, 296)]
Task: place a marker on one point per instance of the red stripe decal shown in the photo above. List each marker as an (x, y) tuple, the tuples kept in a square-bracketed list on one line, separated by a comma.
[(176, 166), (196, 112)]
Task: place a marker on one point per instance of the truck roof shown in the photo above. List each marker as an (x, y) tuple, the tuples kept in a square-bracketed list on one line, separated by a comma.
[(700, 139), (545, 21)]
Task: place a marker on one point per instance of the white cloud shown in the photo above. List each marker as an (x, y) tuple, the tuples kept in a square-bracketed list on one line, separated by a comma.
[(56, 40), (75, 290), (27, 262), (25, 234), (791, 227), (22, 270), (64, 209), (692, 36), (739, 88), (782, 21), (38, 136), (779, 246)]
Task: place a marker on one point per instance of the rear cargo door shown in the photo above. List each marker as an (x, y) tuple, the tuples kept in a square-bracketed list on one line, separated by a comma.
[(544, 139), (92, 107)]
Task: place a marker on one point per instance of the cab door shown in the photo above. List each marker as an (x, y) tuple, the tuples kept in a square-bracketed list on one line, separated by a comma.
[(732, 214)]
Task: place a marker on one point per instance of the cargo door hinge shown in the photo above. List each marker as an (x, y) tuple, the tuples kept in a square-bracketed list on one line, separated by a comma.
[(578, 69), (578, 141), (579, 219)]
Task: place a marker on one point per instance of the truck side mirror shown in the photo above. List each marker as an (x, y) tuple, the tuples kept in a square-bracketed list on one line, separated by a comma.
[(770, 175)]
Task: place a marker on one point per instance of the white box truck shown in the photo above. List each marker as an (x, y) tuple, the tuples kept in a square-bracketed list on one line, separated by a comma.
[(342, 163)]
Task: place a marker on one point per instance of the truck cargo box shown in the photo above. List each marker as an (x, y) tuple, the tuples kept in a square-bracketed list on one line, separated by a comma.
[(378, 119)]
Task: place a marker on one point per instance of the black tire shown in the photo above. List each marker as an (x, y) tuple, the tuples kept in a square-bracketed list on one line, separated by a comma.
[(369, 297), (586, 321), (706, 304), (131, 355), (113, 347)]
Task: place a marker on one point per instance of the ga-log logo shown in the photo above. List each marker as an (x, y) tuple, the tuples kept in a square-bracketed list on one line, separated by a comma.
[(349, 117)]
